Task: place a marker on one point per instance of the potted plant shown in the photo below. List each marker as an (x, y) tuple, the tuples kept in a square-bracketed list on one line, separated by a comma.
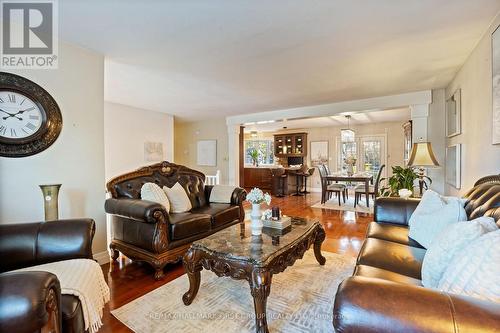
[(254, 154), (256, 197), (403, 178)]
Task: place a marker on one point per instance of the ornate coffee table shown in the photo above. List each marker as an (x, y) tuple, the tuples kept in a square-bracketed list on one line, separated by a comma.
[(234, 252)]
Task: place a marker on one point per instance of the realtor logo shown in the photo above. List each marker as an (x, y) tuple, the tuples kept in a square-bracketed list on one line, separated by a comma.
[(29, 34)]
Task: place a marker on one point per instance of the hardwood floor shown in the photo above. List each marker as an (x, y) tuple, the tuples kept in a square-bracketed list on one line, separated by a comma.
[(345, 232)]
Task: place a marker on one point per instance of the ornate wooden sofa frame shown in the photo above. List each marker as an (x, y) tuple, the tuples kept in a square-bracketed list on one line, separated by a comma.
[(144, 231)]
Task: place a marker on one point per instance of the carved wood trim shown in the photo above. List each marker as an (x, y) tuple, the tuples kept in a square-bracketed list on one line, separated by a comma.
[(52, 307), (165, 168)]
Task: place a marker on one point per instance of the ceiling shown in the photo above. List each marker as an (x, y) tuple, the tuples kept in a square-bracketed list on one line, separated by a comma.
[(358, 118), (203, 59)]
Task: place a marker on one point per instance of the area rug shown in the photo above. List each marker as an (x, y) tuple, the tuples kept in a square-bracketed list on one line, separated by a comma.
[(348, 205), (301, 300)]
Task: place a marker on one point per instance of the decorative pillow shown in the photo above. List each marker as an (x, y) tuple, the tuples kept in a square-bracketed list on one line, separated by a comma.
[(153, 192), (432, 215), (474, 271), (222, 193), (448, 243), (179, 200)]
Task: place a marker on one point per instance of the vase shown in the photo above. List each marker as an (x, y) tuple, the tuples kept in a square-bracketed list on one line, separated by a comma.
[(256, 219), (350, 170), (50, 200)]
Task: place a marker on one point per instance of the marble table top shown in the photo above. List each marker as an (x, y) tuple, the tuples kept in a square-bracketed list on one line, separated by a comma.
[(231, 243)]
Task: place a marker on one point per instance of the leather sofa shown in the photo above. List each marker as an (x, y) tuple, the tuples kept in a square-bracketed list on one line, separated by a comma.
[(32, 301), (144, 231), (385, 293)]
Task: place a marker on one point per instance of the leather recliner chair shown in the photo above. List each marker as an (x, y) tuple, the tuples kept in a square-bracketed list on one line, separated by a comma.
[(385, 293), (32, 301)]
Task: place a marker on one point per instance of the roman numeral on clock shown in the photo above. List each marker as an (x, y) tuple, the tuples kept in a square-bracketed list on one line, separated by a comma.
[(31, 126), (13, 132), (12, 98), (1, 100), (3, 129)]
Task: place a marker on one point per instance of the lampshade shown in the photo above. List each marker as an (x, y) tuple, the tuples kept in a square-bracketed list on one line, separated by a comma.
[(421, 155)]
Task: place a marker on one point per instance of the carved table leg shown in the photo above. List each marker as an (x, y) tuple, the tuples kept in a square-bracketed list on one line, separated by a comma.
[(114, 253), (260, 287), (193, 269), (320, 237)]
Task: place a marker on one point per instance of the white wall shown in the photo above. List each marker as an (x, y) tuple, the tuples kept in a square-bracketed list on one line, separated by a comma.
[(479, 156), (76, 159), (187, 135), (126, 129), (436, 136)]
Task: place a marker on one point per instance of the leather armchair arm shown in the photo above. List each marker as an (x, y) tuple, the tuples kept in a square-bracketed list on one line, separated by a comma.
[(30, 301), (373, 305), (239, 195), (394, 210), (135, 209)]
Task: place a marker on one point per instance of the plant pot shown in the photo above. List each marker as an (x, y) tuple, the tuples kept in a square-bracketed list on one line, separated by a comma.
[(256, 220)]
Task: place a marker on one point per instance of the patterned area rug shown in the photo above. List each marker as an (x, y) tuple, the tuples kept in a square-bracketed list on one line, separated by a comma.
[(348, 205), (301, 300)]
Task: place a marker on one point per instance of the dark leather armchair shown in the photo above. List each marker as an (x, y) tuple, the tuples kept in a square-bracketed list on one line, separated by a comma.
[(144, 231), (385, 293), (32, 301)]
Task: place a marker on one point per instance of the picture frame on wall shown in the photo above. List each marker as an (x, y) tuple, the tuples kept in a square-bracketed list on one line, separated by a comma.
[(453, 165), (319, 153), (408, 141), (495, 50), (454, 114), (206, 153)]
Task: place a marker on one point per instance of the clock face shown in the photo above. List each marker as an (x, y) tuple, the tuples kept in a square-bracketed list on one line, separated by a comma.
[(20, 116)]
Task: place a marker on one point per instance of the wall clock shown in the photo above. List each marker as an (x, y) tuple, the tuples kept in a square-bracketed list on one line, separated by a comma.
[(30, 119)]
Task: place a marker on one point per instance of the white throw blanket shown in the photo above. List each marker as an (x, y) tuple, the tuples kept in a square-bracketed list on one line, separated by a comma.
[(221, 193), (82, 278)]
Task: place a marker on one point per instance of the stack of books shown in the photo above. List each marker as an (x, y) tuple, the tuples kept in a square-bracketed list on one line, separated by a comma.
[(283, 223)]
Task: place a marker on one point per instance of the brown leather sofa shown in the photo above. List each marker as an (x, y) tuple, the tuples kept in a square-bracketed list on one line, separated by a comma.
[(144, 231), (385, 293), (32, 301)]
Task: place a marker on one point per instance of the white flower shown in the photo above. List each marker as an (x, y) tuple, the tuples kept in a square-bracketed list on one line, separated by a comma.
[(267, 214), (256, 196)]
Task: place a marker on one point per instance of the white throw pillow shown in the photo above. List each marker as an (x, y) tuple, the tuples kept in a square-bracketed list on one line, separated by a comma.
[(475, 270), (153, 192), (179, 200), (448, 243), (432, 215)]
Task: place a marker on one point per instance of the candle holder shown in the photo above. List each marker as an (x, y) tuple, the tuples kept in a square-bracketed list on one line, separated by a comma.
[(50, 201)]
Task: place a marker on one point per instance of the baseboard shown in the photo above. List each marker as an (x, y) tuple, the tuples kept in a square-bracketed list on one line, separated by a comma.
[(102, 257)]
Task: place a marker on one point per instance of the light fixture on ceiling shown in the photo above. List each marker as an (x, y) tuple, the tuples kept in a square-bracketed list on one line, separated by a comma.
[(253, 134), (347, 134)]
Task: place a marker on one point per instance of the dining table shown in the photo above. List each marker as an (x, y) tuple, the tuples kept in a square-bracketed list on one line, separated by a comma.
[(366, 178)]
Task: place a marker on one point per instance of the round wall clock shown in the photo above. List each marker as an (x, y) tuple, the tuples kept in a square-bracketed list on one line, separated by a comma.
[(30, 119)]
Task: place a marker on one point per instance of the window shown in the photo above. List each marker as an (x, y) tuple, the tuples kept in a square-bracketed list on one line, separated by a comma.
[(265, 149)]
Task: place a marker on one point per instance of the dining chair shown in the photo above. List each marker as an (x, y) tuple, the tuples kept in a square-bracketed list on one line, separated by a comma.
[(328, 189), (373, 190)]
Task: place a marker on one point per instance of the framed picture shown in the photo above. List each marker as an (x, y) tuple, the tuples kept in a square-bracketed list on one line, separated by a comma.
[(153, 151), (453, 165), (453, 114), (207, 153), (319, 152), (495, 49), (407, 132)]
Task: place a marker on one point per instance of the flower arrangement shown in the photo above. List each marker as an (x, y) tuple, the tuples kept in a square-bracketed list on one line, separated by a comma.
[(256, 196), (350, 160)]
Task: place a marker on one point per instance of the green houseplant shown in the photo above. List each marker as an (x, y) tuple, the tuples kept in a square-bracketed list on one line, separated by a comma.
[(254, 155), (402, 178)]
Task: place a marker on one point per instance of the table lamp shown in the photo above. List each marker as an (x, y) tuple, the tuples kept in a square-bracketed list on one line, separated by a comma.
[(422, 156)]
